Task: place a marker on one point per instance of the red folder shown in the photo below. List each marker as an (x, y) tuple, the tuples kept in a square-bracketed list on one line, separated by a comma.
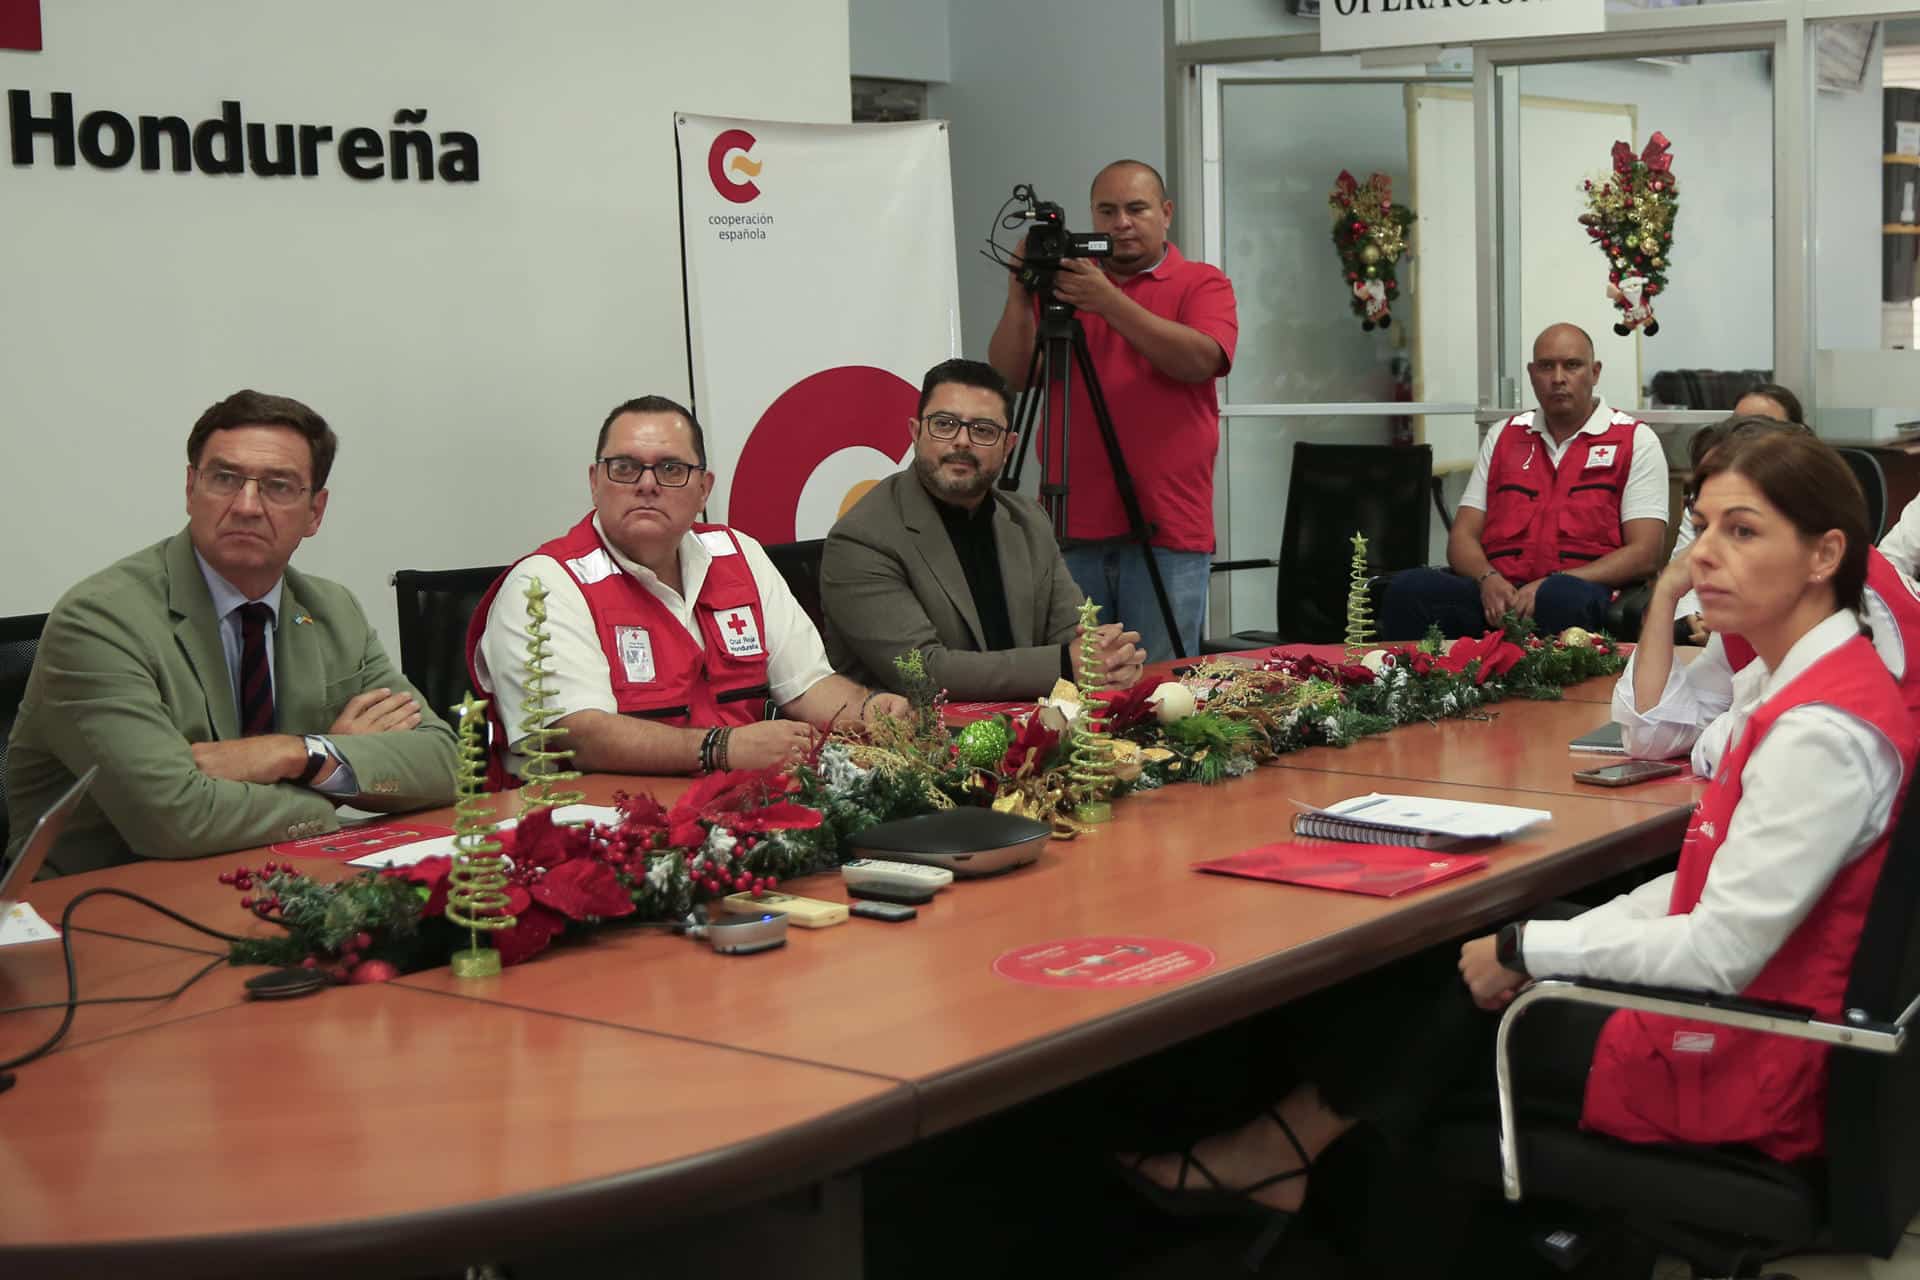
[(1382, 870)]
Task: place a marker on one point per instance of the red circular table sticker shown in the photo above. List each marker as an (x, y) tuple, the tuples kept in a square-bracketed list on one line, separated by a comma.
[(1104, 961), (353, 842)]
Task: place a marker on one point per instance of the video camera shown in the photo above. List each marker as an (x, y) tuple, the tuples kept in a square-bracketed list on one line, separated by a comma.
[(1048, 242)]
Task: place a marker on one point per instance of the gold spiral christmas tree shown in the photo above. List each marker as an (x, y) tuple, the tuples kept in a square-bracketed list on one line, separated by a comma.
[(477, 884), (1090, 759), (1359, 607), (544, 768)]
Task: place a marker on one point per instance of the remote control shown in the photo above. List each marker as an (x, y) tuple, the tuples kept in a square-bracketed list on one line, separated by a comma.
[(905, 897), (891, 912), (874, 877), (805, 913)]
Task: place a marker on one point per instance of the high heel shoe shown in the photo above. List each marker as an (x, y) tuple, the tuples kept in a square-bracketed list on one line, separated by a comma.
[(1215, 1198)]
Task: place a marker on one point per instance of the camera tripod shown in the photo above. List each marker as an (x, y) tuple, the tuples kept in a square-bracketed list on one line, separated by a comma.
[(1060, 344)]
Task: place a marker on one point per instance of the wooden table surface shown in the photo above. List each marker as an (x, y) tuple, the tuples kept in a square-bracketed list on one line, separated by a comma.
[(633, 1071)]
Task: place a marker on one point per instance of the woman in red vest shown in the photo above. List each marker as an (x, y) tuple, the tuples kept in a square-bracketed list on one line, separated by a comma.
[(1665, 709), (1769, 899)]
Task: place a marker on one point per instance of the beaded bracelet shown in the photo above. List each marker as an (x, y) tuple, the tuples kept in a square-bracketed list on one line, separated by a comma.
[(722, 762), (706, 750)]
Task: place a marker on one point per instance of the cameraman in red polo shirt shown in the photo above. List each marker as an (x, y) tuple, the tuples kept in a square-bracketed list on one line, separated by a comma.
[(1567, 502), (1160, 329)]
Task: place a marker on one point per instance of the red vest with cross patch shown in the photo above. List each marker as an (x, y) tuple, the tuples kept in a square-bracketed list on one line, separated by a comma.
[(1661, 1079), (1543, 518), (659, 671), (1897, 591)]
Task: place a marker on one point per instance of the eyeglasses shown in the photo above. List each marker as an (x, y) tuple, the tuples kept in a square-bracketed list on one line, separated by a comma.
[(984, 432), (277, 490), (669, 474)]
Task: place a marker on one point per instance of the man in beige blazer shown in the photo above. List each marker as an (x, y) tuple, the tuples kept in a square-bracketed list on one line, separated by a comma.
[(229, 701), (935, 558)]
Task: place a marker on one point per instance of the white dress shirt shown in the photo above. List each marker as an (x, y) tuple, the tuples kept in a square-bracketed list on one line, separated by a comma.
[(227, 600), (1902, 543), (1645, 494), (578, 673), (1815, 794), (1689, 714)]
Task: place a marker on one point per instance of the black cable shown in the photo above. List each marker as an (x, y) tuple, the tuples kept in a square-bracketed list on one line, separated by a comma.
[(73, 1001), (178, 991)]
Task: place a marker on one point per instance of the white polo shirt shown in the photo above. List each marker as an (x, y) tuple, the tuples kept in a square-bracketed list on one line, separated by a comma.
[(1645, 495)]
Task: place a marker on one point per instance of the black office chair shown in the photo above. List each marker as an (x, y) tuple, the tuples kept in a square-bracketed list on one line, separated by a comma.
[(1339, 490), (435, 607), (1873, 482), (799, 564), (19, 640), (1728, 1210)]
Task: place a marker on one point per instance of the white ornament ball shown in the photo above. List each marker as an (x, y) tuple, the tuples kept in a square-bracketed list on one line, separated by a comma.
[(1172, 701), (1376, 660)]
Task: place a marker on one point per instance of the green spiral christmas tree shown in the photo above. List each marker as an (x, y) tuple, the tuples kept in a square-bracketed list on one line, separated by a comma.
[(1359, 607), (1090, 757), (477, 884), (544, 767)]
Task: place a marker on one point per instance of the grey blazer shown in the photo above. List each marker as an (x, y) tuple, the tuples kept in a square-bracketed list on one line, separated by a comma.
[(890, 582)]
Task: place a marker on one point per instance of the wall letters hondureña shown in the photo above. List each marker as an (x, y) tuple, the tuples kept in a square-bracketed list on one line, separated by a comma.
[(228, 144)]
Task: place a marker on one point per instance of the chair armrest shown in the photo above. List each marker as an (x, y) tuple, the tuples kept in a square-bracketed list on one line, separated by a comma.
[(1857, 1031)]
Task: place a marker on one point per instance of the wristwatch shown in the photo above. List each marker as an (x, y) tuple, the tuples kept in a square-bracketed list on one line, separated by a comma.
[(317, 757), (1508, 951), (1483, 577)]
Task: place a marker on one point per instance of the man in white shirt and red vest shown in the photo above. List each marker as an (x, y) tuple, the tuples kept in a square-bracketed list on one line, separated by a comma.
[(1567, 502), (673, 642)]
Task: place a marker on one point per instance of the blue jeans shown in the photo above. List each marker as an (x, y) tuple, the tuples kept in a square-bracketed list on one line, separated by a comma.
[(1115, 578), (1419, 598)]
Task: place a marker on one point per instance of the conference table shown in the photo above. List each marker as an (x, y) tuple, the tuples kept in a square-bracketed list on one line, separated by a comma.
[(634, 1079)]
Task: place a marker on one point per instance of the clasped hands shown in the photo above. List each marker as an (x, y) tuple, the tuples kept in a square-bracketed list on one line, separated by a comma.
[(774, 744), (277, 757), (1121, 657)]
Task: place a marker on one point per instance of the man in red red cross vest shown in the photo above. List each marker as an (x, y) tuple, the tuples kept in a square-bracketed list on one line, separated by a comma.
[(1567, 502), (663, 629)]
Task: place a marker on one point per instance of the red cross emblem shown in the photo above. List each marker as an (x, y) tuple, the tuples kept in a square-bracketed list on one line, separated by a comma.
[(736, 624)]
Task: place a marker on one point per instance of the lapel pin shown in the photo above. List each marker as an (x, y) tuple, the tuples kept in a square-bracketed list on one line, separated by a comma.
[(303, 619)]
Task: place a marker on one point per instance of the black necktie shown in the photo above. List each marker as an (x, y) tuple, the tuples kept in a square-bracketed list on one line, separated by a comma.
[(256, 678)]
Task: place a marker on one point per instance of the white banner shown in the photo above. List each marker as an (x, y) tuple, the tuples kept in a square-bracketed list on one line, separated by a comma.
[(1378, 24), (821, 286)]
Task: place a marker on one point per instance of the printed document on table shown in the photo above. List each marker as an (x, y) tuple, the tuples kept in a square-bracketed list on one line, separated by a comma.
[(408, 854)]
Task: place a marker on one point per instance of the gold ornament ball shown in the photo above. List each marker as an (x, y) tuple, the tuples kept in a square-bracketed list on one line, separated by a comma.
[(1370, 254), (1633, 242), (1659, 262), (1372, 272), (1577, 638)]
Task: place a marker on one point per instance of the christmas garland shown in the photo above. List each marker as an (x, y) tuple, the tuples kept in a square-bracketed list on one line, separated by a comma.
[(733, 832), (1630, 213), (1370, 234)]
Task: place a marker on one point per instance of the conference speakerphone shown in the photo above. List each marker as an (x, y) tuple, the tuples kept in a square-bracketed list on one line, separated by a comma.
[(968, 842)]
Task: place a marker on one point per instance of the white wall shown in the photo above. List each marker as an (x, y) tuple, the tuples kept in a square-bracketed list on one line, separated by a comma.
[(1046, 94), (900, 39), (1846, 238), (464, 340)]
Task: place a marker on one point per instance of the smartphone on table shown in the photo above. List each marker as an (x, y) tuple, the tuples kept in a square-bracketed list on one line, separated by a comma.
[(1632, 771)]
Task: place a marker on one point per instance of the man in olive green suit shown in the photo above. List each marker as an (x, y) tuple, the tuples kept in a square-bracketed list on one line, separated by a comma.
[(933, 558), (228, 701)]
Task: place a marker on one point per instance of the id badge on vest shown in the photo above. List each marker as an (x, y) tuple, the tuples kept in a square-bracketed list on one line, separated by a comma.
[(1601, 455), (635, 647), (739, 630)]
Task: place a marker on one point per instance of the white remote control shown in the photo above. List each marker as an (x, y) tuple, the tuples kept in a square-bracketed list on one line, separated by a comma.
[(909, 877)]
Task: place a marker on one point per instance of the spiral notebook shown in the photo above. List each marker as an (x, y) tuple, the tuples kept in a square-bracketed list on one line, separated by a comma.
[(1417, 822)]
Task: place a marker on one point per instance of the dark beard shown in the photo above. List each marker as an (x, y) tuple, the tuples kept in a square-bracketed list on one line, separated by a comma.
[(949, 491)]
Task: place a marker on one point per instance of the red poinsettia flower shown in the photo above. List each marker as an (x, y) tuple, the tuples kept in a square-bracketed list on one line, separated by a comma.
[(783, 816), (1032, 741), (534, 930), (1352, 673), (640, 813), (1128, 707), (431, 872), (583, 888), (538, 841), (1495, 653)]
